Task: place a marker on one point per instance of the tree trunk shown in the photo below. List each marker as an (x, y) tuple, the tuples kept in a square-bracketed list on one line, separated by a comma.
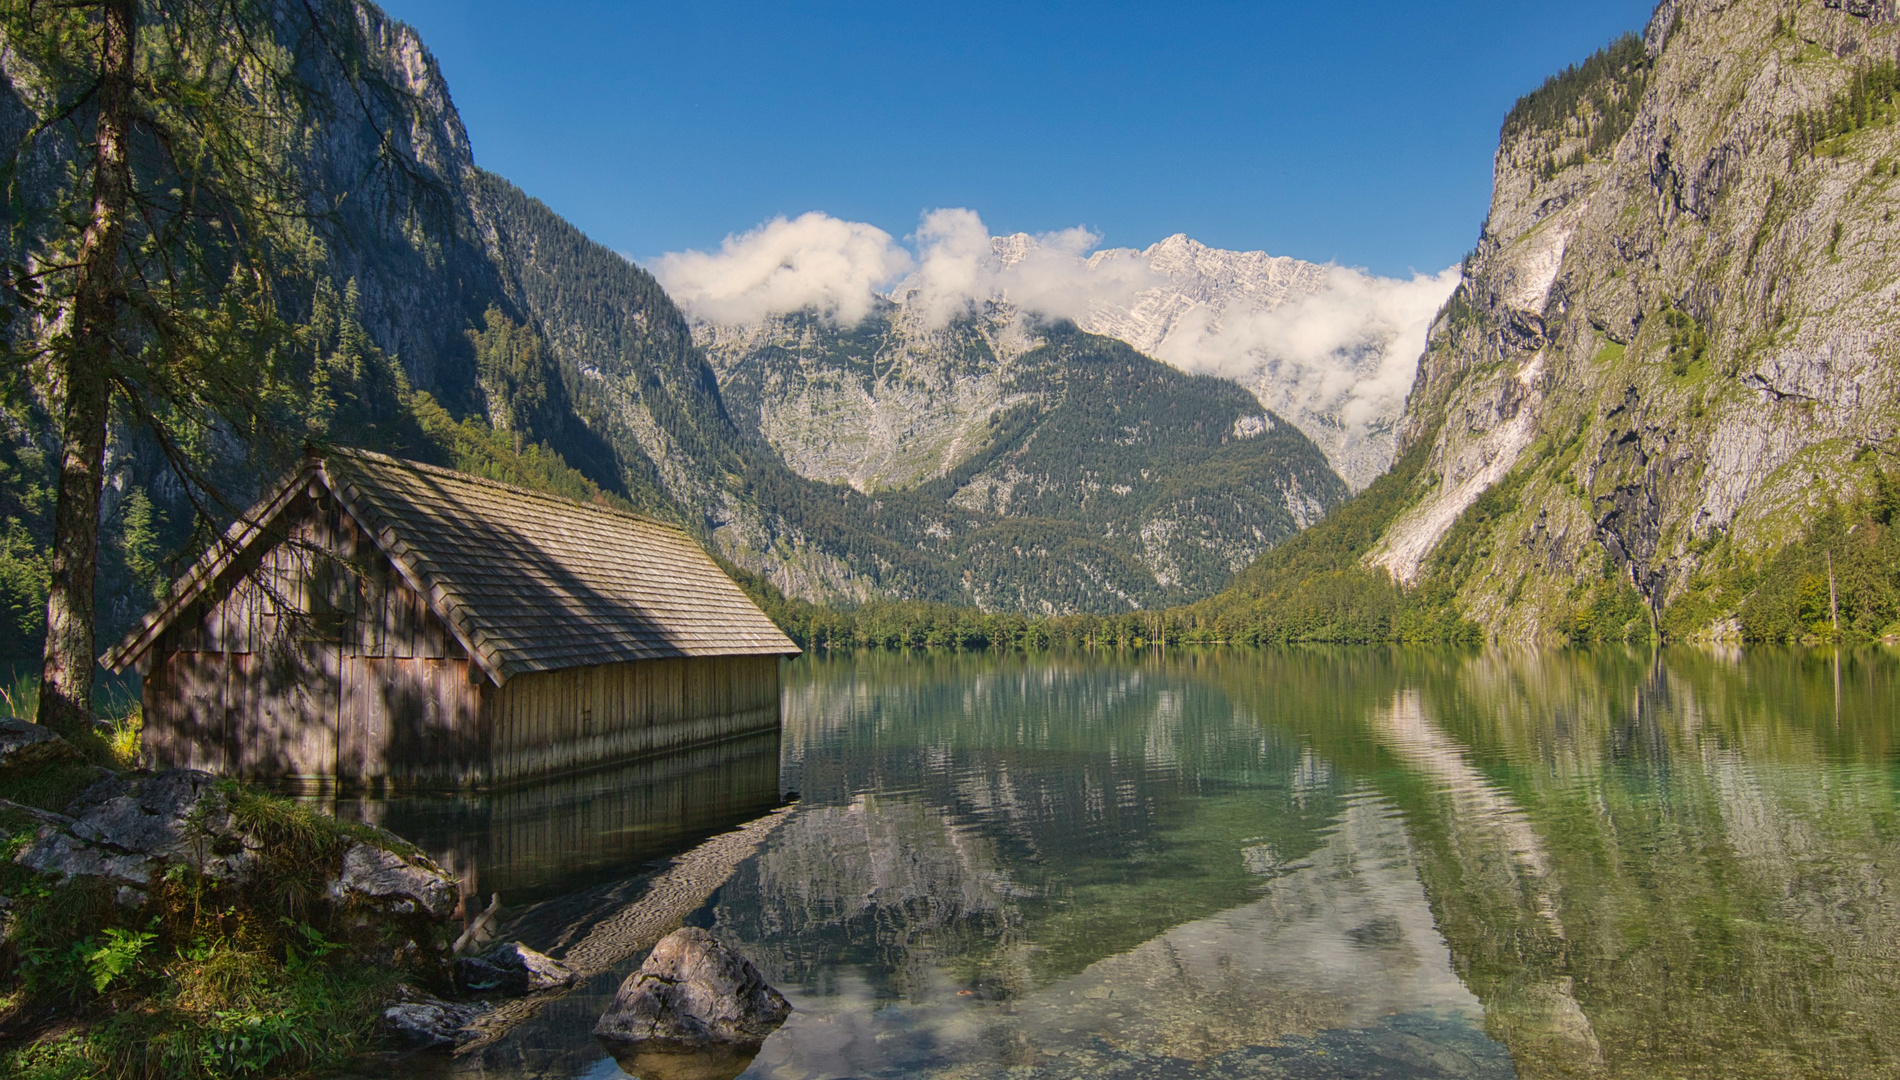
[(82, 369)]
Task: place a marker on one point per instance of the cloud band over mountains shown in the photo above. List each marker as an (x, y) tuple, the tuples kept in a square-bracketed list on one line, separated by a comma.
[(1340, 341)]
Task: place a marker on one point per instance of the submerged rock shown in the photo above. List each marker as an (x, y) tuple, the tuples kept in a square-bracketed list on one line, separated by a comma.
[(512, 968), (711, 1063), (692, 993), (25, 745), (399, 883), (432, 1024)]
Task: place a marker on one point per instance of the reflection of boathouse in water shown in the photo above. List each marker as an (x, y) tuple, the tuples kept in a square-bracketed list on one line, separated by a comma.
[(538, 841), (382, 623)]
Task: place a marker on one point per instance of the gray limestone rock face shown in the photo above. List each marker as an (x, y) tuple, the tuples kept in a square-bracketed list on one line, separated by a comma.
[(25, 745), (128, 828), (432, 1024), (399, 883), (1672, 349), (512, 968), (692, 993)]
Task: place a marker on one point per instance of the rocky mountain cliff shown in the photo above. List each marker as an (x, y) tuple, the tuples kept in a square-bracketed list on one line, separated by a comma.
[(1082, 476), (1673, 348), (1116, 521), (1201, 309)]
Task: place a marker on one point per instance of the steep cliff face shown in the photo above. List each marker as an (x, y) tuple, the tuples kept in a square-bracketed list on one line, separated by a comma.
[(1674, 342), (892, 399)]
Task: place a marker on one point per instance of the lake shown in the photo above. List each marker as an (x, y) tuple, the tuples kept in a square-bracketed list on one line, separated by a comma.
[(1292, 863)]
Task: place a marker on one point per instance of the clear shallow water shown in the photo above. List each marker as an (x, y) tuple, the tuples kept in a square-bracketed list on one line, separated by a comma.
[(1311, 863)]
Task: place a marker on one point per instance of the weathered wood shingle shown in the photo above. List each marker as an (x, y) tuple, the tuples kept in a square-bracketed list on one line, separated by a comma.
[(534, 582), (527, 582)]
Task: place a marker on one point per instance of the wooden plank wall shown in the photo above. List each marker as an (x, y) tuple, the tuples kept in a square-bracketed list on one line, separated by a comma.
[(559, 721), (318, 664)]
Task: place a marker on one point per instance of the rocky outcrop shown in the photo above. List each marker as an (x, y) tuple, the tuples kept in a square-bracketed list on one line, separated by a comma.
[(25, 746), (128, 830), (693, 993), (1671, 346), (400, 883), (512, 968), (432, 1024)]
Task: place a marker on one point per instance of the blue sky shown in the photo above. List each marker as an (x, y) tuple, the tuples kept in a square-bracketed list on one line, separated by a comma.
[(1360, 133)]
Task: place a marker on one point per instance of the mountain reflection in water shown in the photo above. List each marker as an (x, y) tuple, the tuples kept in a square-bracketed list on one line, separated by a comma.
[(1296, 863)]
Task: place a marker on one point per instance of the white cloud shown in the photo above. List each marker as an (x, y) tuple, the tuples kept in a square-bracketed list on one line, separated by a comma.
[(961, 264), (811, 261), (1324, 346), (1349, 350)]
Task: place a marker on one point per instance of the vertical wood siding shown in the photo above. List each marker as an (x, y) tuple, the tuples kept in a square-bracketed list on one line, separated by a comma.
[(315, 663), (558, 721)]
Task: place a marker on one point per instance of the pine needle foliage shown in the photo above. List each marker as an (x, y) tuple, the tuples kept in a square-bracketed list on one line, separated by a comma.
[(1866, 101), (1601, 94)]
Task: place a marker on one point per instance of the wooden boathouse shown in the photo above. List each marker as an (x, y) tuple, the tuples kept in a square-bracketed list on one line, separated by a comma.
[(390, 625)]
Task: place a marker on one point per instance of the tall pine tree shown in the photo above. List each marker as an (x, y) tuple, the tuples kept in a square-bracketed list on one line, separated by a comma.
[(155, 213)]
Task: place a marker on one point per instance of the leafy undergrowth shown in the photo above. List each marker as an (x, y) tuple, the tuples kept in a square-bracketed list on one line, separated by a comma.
[(113, 745), (1837, 582), (205, 980)]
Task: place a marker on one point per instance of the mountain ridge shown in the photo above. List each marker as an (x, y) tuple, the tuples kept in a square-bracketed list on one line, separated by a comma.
[(1329, 349), (1663, 401), (454, 314)]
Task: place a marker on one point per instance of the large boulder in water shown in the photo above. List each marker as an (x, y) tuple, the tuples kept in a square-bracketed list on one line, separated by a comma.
[(692, 994)]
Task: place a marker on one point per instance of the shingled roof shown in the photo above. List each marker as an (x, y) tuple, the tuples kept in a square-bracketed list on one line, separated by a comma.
[(526, 581)]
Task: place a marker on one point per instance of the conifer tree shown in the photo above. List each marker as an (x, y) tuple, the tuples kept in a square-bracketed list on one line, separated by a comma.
[(154, 213)]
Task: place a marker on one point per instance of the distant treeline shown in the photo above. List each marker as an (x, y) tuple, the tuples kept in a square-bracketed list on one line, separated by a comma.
[(1838, 582), (1313, 588)]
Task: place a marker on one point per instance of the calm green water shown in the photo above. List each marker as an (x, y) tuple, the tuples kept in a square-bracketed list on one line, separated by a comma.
[(1355, 863)]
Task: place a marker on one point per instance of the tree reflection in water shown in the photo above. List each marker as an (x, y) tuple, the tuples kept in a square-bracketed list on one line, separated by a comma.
[(1318, 863)]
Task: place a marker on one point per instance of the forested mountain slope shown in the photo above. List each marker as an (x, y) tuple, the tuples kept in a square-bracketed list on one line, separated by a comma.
[(446, 315), (1663, 400)]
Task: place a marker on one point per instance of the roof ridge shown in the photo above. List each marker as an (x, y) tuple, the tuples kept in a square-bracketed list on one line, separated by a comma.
[(500, 485)]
